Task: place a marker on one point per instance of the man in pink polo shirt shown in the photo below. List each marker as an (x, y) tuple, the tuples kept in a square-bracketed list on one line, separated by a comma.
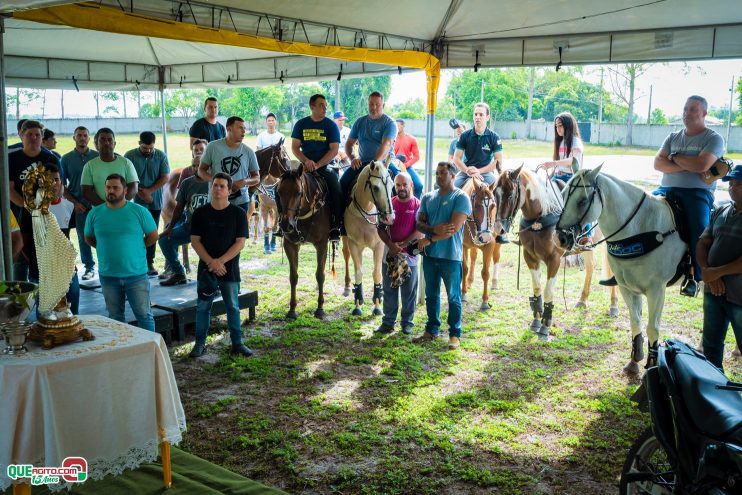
[(397, 238)]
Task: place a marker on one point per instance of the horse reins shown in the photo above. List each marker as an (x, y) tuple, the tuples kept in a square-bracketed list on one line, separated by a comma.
[(378, 213), (489, 228)]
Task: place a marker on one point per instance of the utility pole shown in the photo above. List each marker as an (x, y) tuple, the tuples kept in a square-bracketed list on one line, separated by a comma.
[(649, 111), (600, 104), (62, 104), (338, 104), (531, 83), (731, 100)]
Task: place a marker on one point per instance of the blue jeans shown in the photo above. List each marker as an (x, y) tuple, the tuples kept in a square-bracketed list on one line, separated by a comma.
[(697, 204), (73, 296), (718, 313), (450, 271), (461, 179), (86, 252), (116, 290), (230, 292), (181, 234), (408, 291)]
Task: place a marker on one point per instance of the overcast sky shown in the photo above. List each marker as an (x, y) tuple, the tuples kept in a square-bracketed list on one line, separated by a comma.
[(670, 87)]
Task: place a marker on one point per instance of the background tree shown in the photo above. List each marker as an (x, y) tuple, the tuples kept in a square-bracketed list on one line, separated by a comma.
[(623, 80), (20, 97), (354, 93), (658, 117), (410, 109), (183, 102)]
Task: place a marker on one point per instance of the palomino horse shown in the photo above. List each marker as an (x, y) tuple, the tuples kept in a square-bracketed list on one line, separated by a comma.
[(478, 235), (644, 247), (371, 203), (268, 213), (306, 219), (540, 206)]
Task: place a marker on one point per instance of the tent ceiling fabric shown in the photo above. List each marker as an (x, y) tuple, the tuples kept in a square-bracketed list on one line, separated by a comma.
[(528, 32)]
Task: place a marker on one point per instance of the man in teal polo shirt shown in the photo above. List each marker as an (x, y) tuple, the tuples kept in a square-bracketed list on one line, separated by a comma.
[(441, 218), (121, 231), (153, 170)]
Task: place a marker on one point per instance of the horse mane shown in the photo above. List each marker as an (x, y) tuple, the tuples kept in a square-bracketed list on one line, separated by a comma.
[(547, 197), (474, 184)]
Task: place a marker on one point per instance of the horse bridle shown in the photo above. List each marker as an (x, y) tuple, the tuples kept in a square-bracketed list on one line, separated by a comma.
[(313, 208), (576, 230), (368, 185), (507, 223), (277, 153), (486, 220)]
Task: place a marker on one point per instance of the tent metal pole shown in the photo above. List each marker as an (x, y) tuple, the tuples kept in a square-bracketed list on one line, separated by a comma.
[(430, 125), (6, 250), (164, 122)]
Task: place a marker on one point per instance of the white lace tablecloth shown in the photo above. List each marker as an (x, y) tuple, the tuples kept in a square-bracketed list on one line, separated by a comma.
[(111, 400)]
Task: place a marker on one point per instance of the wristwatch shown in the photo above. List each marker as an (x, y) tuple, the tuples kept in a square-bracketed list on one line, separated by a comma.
[(429, 237)]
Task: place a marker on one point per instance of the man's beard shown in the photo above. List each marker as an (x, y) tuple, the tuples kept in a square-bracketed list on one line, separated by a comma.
[(403, 194), (112, 198)]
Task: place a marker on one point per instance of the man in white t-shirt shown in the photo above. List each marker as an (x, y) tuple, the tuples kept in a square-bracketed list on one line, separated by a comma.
[(270, 136)]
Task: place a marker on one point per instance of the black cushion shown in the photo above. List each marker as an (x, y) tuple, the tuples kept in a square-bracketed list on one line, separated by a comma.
[(715, 412)]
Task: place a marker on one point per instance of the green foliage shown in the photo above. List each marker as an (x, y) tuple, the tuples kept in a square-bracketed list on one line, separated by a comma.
[(354, 93), (183, 102), (658, 117), (149, 111), (506, 91), (410, 109)]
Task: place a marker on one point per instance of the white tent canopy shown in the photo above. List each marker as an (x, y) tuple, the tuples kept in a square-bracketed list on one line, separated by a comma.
[(460, 33)]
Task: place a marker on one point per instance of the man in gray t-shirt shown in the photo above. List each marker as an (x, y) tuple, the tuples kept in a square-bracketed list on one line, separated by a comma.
[(234, 158), (720, 256), (683, 159)]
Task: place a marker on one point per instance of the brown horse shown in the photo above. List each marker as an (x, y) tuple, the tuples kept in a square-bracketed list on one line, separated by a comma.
[(478, 230), (273, 161), (305, 219)]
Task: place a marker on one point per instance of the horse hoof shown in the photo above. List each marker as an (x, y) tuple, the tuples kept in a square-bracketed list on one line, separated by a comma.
[(494, 285), (291, 315), (613, 312), (736, 353), (631, 368), (543, 332), (346, 292), (464, 299), (536, 325), (319, 313), (581, 305), (485, 306), (377, 312), (356, 312)]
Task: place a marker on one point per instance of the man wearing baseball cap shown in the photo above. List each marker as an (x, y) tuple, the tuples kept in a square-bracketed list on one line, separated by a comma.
[(339, 118), (719, 253)]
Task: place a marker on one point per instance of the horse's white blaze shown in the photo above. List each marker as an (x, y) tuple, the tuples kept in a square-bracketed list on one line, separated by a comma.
[(536, 281), (549, 289)]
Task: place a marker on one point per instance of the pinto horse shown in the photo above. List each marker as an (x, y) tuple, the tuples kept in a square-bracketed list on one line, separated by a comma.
[(371, 204), (646, 224), (478, 236), (540, 207), (306, 219)]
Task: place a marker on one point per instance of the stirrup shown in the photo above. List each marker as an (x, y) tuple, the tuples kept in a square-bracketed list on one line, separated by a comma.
[(652, 355)]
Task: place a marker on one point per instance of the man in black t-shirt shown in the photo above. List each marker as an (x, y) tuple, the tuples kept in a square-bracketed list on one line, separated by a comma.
[(20, 162), (218, 233), (207, 127)]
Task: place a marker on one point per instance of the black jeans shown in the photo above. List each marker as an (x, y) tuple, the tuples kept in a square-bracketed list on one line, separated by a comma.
[(151, 249)]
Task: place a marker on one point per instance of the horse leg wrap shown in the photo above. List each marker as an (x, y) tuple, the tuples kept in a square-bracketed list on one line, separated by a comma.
[(652, 355), (378, 293), (358, 293), (548, 310), (637, 348), (266, 243), (537, 306)]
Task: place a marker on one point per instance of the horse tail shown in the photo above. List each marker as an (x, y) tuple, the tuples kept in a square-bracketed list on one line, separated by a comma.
[(333, 272)]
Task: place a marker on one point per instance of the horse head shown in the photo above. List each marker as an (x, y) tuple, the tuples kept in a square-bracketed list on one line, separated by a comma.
[(508, 197), (482, 210), (273, 160), (374, 188), (290, 189), (580, 207)]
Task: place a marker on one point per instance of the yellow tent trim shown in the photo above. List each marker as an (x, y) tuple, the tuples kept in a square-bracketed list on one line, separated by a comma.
[(99, 18)]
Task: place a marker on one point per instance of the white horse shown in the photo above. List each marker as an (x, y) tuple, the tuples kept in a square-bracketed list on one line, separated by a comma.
[(624, 211), (371, 203)]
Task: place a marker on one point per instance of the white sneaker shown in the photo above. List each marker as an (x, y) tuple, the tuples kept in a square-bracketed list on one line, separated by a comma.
[(88, 275)]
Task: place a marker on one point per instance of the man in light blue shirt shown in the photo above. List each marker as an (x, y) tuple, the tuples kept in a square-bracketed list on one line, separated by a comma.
[(375, 135), (153, 170), (72, 166), (234, 158), (121, 231), (684, 158), (441, 218)]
